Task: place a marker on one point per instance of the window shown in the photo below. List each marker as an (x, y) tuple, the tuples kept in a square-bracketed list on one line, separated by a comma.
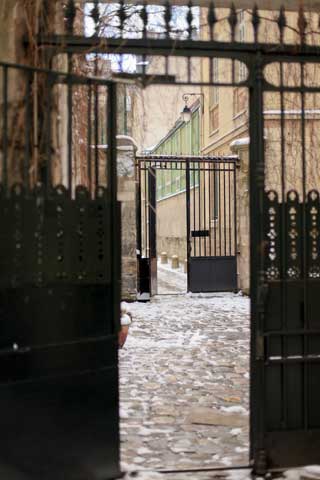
[(241, 69), (214, 98), (240, 100), (214, 118), (185, 140), (195, 126), (128, 103), (214, 91)]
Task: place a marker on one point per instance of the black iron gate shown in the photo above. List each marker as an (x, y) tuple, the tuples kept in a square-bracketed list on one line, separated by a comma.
[(283, 213), (211, 224), (208, 185), (59, 277), (286, 252)]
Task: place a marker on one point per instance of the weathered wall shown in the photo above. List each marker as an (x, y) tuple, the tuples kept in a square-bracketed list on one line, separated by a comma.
[(157, 107), (171, 226), (127, 197), (21, 20), (243, 215), (172, 223)]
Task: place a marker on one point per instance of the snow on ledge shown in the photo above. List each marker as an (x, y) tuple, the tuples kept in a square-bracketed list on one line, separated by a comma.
[(238, 142)]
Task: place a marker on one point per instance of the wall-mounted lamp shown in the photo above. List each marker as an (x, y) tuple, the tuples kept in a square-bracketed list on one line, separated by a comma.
[(186, 113)]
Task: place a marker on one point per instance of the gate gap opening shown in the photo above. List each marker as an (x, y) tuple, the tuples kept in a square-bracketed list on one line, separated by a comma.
[(191, 329)]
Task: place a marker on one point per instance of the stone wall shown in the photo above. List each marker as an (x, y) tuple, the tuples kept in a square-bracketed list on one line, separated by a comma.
[(20, 20), (127, 197), (171, 226), (241, 148)]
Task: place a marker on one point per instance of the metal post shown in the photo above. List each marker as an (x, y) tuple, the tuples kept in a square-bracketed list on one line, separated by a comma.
[(188, 220), (5, 129), (257, 405)]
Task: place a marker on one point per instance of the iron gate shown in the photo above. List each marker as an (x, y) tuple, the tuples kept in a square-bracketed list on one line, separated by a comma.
[(283, 214), (59, 277), (208, 186), (211, 224), (286, 356)]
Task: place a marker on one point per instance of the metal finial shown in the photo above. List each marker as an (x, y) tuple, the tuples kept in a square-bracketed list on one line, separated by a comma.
[(122, 15), (255, 22), (95, 15), (70, 15), (212, 19), (302, 24), (167, 17), (189, 19), (144, 18), (233, 20), (282, 22)]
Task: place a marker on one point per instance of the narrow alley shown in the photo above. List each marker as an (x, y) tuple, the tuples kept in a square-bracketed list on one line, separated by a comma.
[(184, 384)]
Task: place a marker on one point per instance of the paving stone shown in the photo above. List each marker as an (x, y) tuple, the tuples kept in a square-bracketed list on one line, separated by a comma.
[(207, 416), (165, 420), (185, 359)]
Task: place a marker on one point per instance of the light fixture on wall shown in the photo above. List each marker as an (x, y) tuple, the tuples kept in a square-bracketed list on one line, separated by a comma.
[(186, 113)]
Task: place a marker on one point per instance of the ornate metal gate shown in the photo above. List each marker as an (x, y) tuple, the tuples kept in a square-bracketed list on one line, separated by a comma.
[(286, 251), (208, 186), (59, 277), (285, 347)]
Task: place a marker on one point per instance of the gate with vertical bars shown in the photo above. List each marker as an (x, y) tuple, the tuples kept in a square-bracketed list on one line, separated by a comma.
[(279, 64), (208, 188)]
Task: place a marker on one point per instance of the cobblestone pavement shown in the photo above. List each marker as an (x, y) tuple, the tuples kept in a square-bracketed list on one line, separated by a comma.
[(171, 281), (184, 385)]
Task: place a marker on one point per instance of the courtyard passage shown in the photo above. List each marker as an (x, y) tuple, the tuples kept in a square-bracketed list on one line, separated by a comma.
[(184, 385)]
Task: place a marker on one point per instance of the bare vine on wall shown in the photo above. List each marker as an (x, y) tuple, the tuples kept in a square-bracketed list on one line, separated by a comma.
[(27, 91)]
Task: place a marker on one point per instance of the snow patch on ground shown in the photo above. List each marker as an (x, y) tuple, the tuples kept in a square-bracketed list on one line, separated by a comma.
[(235, 409)]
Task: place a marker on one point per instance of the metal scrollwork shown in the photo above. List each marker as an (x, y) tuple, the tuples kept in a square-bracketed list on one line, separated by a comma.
[(272, 236), (313, 237), (293, 235)]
